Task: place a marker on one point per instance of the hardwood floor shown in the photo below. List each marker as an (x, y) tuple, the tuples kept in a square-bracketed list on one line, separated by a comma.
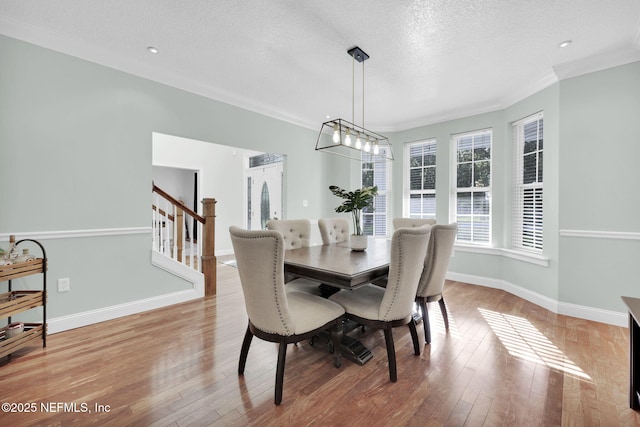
[(504, 361)]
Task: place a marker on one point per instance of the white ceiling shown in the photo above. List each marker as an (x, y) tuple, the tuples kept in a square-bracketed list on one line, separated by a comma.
[(430, 60)]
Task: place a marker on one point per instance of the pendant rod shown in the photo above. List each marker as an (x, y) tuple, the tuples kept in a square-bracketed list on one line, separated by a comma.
[(363, 94), (353, 89)]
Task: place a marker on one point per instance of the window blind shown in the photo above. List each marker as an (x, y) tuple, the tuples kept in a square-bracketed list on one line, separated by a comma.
[(528, 206), (472, 166), (420, 190), (376, 171)]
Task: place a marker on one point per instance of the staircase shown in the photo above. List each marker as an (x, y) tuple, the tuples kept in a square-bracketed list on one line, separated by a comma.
[(174, 229)]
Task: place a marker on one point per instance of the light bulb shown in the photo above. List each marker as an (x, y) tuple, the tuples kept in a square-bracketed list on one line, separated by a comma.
[(376, 149), (336, 134), (358, 141), (347, 138), (367, 145)]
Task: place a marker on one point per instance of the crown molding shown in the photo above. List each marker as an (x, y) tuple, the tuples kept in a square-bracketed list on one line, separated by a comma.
[(609, 59), (110, 59), (542, 82), (85, 51)]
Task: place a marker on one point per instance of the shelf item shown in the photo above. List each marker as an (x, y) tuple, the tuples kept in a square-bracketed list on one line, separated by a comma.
[(18, 301)]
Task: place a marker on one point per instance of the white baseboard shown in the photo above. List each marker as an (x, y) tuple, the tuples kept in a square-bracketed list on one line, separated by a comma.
[(65, 323), (90, 317), (574, 310), (72, 321)]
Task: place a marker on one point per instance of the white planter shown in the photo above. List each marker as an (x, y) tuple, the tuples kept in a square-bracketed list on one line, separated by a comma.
[(358, 243)]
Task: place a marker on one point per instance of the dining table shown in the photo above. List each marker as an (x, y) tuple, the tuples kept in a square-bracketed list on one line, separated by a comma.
[(336, 266)]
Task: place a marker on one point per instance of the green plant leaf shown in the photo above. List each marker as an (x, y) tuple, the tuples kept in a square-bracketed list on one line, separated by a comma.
[(354, 202)]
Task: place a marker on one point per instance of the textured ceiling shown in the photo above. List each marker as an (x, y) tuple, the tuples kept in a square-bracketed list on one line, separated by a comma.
[(430, 60)]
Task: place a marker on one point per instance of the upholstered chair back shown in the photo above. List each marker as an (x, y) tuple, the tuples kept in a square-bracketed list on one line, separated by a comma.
[(295, 232), (436, 263), (408, 246), (411, 222), (260, 258), (333, 230)]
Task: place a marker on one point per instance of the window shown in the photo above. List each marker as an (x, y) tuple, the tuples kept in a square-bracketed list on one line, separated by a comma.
[(472, 190), (376, 171), (527, 210), (420, 181)]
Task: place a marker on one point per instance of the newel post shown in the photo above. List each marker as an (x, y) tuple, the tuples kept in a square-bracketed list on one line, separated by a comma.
[(209, 261)]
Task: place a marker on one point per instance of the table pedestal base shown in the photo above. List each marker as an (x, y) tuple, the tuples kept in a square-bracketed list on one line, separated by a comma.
[(352, 349)]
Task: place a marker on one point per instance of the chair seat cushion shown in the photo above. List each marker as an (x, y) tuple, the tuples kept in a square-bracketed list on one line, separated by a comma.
[(362, 302), (310, 312), (303, 285)]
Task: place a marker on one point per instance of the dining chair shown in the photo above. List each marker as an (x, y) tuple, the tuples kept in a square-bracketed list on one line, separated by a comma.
[(296, 232), (432, 280), (404, 223), (412, 222), (334, 230), (275, 315), (390, 307)]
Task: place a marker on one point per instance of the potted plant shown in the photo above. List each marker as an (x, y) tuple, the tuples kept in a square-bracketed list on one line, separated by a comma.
[(354, 202)]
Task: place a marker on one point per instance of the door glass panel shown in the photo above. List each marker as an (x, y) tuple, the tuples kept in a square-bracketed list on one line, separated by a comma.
[(264, 205)]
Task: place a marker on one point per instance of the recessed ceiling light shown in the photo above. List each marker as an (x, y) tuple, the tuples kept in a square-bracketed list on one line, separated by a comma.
[(153, 50), (565, 43), (327, 116)]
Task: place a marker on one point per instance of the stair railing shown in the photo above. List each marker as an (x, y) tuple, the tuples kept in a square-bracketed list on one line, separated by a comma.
[(174, 230)]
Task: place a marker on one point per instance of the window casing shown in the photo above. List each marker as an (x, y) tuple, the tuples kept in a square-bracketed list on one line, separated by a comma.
[(376, 170), (527, 220), (472, 186), (420, 179)]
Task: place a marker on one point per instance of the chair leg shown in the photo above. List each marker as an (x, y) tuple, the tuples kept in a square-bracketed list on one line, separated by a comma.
[(443, 309), (246, 343), (425, 320), (391, 354), (336, 338), (282, 356), (414, 336)]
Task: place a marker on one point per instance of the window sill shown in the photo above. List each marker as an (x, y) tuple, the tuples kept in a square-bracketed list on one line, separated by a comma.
[(508, 253)]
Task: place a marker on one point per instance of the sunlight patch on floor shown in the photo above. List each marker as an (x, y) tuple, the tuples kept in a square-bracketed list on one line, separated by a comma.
[(523, 340)]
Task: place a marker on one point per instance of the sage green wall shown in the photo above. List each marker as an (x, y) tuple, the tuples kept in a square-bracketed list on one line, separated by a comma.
[(482, 265), (592, 143), (76, 147), (442, 133), (539, 279), (75, 140), (600, 134)]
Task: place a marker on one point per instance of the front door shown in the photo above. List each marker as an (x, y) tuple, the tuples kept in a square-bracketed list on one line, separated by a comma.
[(265, 195)]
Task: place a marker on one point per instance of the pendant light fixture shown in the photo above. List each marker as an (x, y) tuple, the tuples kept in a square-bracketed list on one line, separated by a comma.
[(343, 138)]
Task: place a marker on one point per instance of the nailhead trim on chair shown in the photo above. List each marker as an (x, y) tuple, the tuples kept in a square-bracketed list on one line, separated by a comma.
[(395, 293), (275, 273)]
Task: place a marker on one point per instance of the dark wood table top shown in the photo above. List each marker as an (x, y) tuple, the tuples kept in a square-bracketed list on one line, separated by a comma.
[(338, 265), (633, 304)]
